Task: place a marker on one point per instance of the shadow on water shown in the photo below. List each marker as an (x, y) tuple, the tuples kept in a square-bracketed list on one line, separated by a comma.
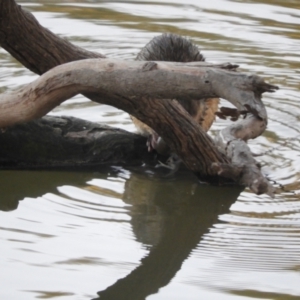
[(169, 217), (15, 185)]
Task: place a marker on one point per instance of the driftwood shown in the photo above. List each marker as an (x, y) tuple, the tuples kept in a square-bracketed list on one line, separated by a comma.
[(143, 90)]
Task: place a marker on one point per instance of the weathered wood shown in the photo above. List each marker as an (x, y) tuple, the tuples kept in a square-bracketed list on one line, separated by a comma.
[(231, 140), (129, 79)]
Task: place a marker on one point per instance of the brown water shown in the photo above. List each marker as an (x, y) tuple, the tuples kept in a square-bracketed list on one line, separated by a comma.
[(130, 235)]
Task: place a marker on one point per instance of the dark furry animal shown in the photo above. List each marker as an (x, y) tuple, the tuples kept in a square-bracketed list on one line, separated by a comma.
[(172, 47)]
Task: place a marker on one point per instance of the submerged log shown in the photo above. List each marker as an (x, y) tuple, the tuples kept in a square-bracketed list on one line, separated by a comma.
[(136, 88)]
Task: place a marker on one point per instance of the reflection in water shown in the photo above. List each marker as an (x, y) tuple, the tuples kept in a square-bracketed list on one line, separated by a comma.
[(171, 216), (15, 185), (177, 220)]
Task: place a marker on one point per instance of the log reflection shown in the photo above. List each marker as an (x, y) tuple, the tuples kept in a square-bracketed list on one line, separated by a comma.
[(168, 216), (16, 185), (171, 217)]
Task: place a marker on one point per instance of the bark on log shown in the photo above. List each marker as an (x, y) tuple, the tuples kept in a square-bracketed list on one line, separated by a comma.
[(20, 32), (181, 132), (66, 142)]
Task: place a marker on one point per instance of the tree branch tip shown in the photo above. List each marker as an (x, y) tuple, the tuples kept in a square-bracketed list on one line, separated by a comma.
[(263, 86), (273, 89), (270, 88), (259, 186), (262, 186)]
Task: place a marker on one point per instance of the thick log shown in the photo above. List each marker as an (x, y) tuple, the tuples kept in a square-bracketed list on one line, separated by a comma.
[(19, 31), (66, 142)]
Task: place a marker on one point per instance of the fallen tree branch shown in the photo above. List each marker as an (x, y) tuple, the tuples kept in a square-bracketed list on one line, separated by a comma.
[(131, 80)]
